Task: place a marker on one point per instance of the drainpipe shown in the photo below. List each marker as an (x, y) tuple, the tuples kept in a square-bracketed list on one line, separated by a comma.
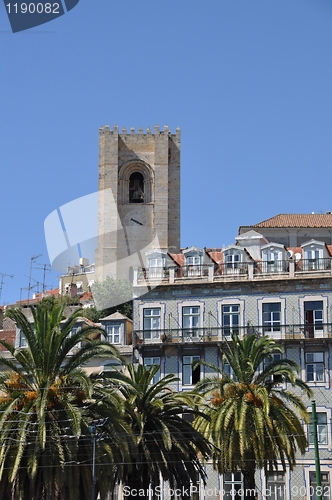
[(317, 461)]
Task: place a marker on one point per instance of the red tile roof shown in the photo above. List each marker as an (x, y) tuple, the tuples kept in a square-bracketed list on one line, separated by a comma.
[(178, 258), (217, 255), (296, 220)]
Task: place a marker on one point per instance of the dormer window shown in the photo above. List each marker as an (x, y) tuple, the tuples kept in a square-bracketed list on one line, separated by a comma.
[(233, 260), (193, 265), (313, 254), (272, 261), (156, 265), (193, 260)]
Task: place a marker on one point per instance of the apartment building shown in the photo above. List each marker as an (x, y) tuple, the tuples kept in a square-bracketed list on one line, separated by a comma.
[(256, 285)]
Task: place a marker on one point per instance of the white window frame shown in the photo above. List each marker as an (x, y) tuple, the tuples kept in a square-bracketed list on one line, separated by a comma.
[(231, 328), (151, 305), (326, 486), (151, 333), (192, 314), (197, 332), (272, 300), (232, 482), (318, 333), (232, 261), (313, 253), (156, 265), (312, 469), (231, 302), (327, 411), (315, 381), (111, 335), (266, 493), (272, 260), (193, 264), (21, 340)]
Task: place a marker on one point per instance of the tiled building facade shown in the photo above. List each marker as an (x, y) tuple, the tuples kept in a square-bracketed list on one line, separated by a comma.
[(254, 286)]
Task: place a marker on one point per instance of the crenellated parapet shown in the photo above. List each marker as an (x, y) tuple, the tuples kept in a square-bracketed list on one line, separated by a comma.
[(140, 132)]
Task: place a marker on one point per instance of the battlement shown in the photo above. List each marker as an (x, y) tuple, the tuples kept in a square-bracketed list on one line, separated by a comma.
[(140, 133)]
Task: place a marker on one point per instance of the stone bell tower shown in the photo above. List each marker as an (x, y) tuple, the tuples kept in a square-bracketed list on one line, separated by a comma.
[(138, 197)]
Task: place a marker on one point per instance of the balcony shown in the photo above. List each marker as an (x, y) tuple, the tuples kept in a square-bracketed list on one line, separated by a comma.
[(271, 267), (311, 265), (239, 271), (307, 332)]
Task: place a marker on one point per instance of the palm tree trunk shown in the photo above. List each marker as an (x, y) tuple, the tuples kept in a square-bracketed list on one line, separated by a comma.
[(249, 484)]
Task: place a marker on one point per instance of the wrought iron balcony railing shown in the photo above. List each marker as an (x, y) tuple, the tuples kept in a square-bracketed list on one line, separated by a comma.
[(220, 334), (252, 270)]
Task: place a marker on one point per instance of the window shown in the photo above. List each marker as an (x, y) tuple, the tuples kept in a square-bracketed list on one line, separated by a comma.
[(150, 361), (190, 321), (321, 429), (313, 260), (230, 319), (113, 333), (156, 268), (190, 376), (193, 260), (229, 370), (271, 317), (313, 317), (232, 261), (73, 331), (272, 262), (233, 483), (193, 265), (275, 485), (112, 365), (22, 340), (325, 484), (314, 365), (151, 323), (277, 379)]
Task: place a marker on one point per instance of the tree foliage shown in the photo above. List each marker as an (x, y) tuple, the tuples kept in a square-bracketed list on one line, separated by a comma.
[(165, 444), (255, 414), (47, 401)]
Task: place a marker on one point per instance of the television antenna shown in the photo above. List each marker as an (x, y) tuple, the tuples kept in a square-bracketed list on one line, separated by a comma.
[(2, 281), (32, 260)]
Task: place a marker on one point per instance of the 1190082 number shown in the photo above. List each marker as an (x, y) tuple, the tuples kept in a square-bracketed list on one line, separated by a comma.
[(33, 8)]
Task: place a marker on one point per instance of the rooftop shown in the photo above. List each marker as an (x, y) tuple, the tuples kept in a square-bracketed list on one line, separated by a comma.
[(294, 220)]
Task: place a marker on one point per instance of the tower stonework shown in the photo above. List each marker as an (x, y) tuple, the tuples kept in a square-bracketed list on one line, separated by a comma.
[(138, 197)]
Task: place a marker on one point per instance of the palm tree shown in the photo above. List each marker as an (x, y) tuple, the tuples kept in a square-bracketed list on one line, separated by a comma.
[(255, 422), (46, 404), (166, 445)]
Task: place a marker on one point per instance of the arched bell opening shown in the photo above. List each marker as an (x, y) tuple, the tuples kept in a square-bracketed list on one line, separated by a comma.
[(136, 188)]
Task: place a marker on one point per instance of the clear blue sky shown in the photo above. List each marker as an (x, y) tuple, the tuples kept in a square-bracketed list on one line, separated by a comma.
[(248, 81)]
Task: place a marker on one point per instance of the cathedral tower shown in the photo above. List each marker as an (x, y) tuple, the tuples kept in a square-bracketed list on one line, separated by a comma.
[(138, 197)]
